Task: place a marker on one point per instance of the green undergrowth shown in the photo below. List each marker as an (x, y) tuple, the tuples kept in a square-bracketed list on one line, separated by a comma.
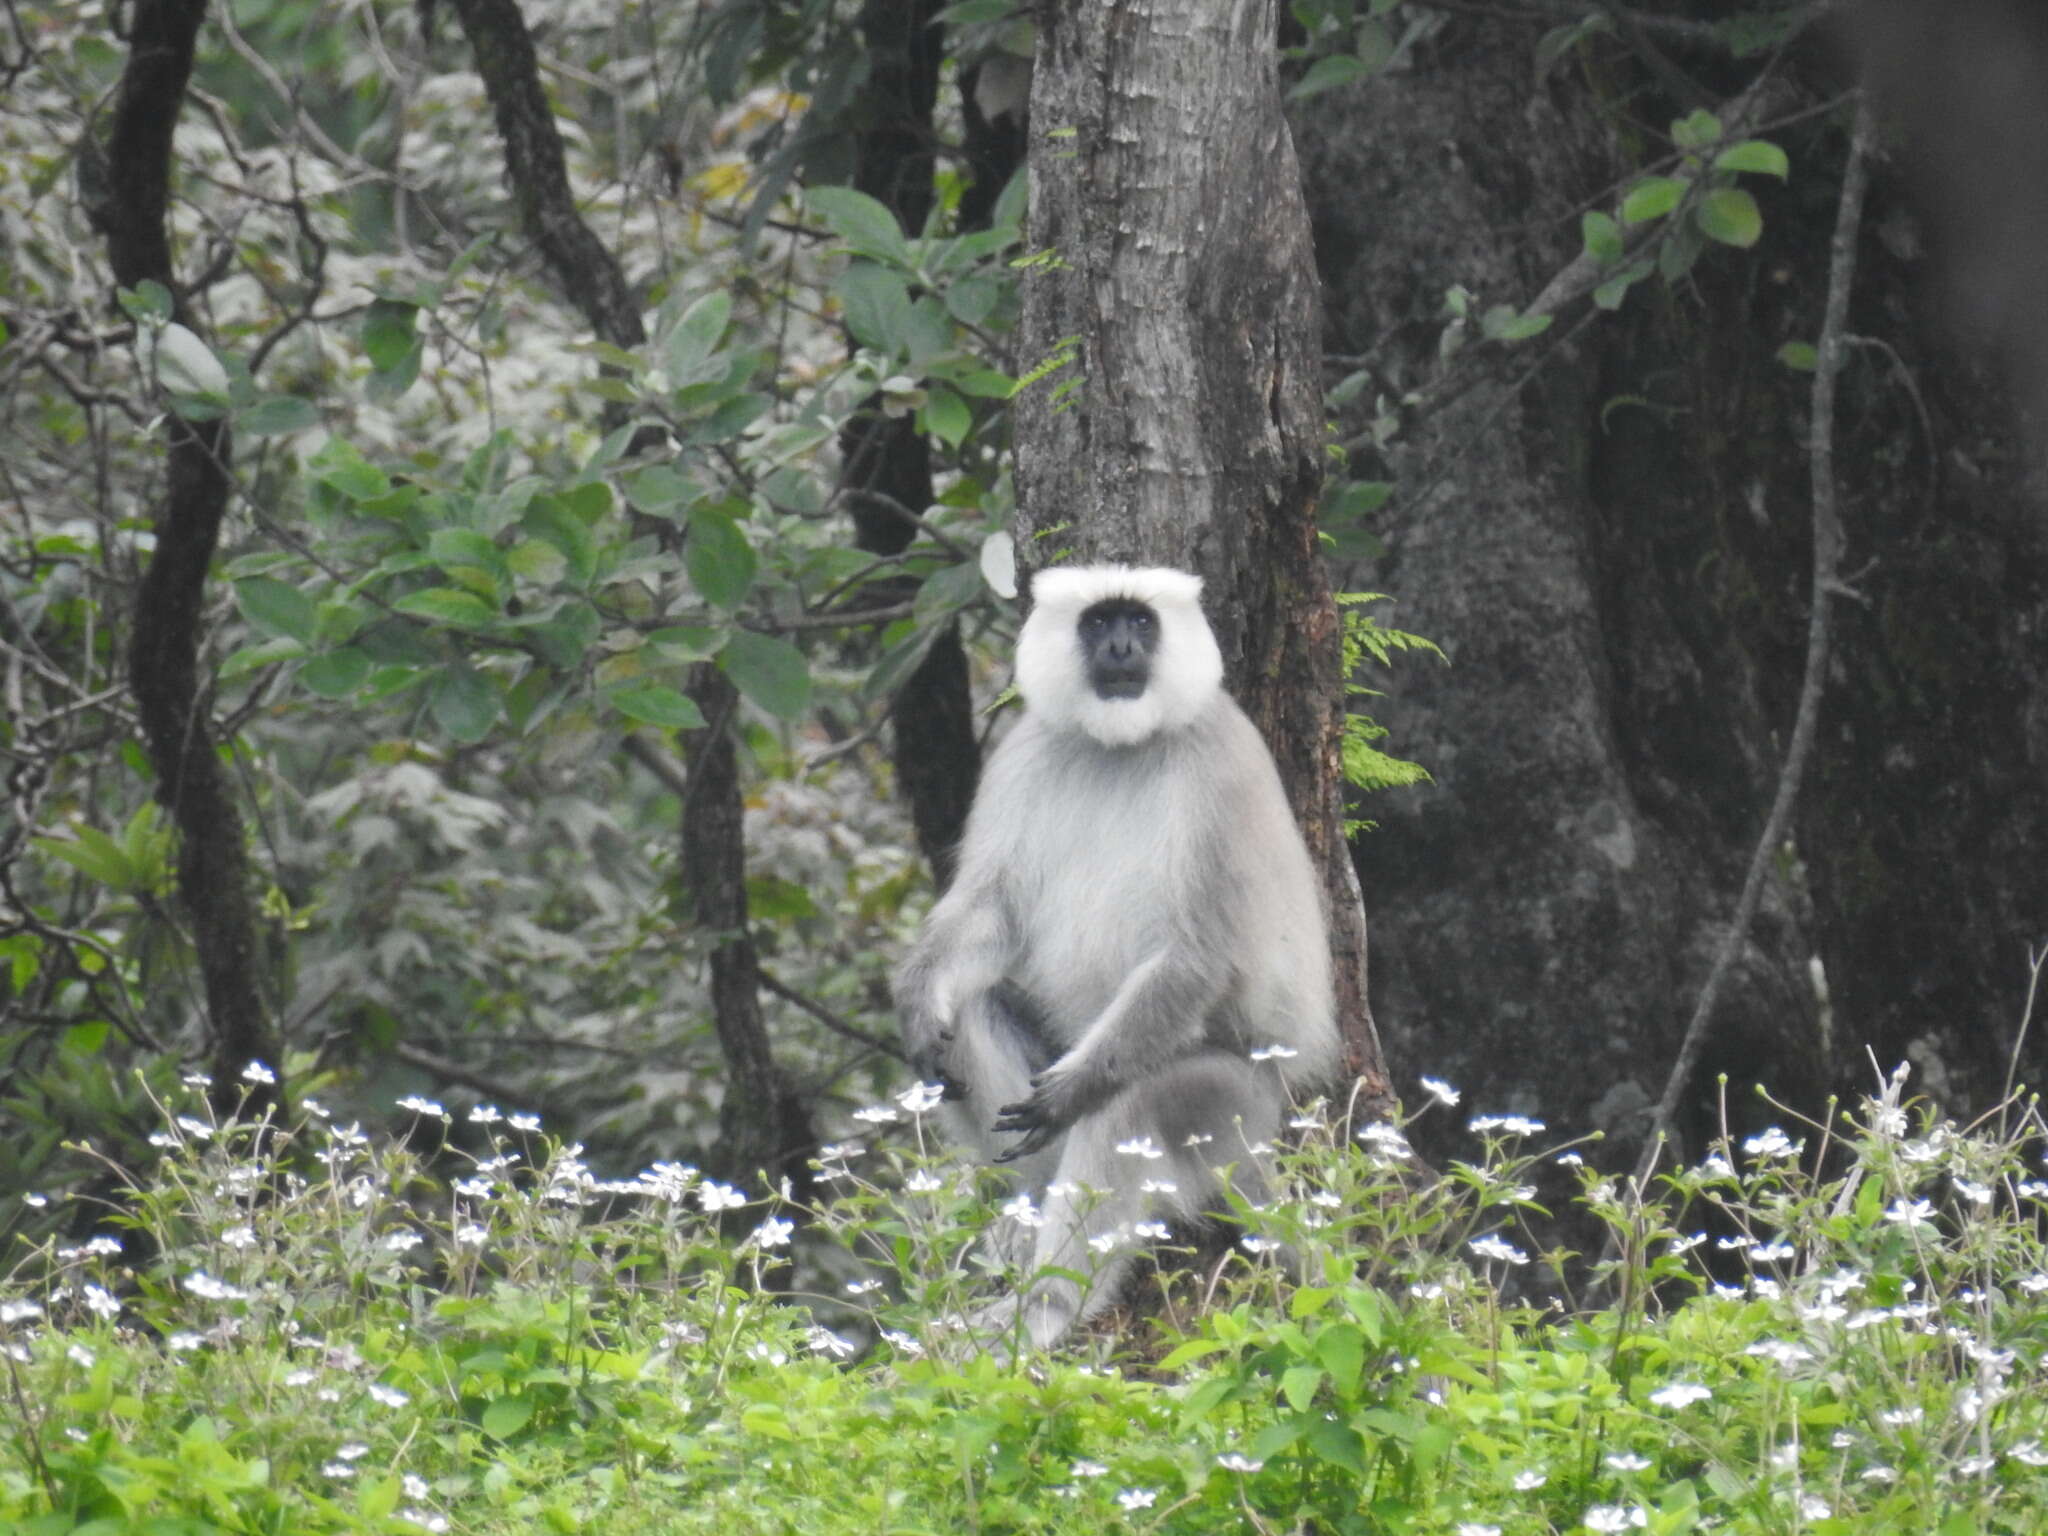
[(1830, 1328)]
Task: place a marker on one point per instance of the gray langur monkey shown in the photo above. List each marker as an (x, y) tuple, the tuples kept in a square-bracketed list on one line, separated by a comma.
[(1128, 982)]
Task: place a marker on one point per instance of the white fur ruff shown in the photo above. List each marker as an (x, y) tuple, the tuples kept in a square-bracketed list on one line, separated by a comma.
[(1187, 668)]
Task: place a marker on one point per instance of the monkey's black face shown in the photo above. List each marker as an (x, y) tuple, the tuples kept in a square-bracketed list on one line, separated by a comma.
[(1118, 637)]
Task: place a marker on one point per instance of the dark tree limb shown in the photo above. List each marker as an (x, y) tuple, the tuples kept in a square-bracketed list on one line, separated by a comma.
[(1190, 432), (888, 461), (582, 265), (763, 1126), (127, 180), (1827, 560)]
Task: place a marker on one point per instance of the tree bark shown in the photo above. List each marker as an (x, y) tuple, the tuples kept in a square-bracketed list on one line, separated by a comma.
[(1187, 427), (1614, 551), (127, 185), (763, 1126), (582, 265)]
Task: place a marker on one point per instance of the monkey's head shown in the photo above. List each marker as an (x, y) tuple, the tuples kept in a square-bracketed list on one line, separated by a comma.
[(1117, 652)]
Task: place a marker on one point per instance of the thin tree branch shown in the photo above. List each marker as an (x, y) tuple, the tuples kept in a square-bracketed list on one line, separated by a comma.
[(832, 1021), (1827, 556)]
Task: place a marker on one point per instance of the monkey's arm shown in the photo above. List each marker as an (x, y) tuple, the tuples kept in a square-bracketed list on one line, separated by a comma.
[(967, 945), (1158, 1016)]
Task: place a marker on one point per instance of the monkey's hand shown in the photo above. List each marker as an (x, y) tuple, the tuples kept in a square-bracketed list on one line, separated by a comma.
[(932, 1059), (1058, 1099)]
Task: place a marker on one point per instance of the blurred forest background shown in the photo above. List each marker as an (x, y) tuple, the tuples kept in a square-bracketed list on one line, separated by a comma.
[(520, 489)]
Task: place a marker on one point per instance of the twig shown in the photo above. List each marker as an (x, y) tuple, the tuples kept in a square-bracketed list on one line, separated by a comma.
[(496, 1089), (661, 764), (2035, 961), (1827, 555), (831, 1020)]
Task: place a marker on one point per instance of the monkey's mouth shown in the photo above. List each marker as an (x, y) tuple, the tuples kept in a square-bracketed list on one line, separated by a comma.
[(1119, 687)]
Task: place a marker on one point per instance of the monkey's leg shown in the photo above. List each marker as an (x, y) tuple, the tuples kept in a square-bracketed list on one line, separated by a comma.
[(1150, 1154), (998, 1042)]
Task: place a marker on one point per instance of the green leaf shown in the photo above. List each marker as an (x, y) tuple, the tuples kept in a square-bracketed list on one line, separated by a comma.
[(1298, 1385), (93, 854), (1602, 237), (448, 605), (564, 638), (1610, 293), (688, 642), (770, 671), (553, 519), (653, 704), (147, 300), (945, 592), (731, 418), (697, 336), (1327, 73), (1341, 1349), (277, 607), (1502, 323), (86, 1039), (1758, 155), (770, 897), (389, 333), (339, 466), (464, 702), (1696, 130), (380, 1498), (1338, 1444), (387, 384), (536, 561), (504, 1417), (1651, 198), (1730, 215), (1801, 356), (876, 302), (719, 559), (1679, 249), (465, 547), (903, 657), (946, 416), (277, 414), (985, 384), (974, 298), (1277, 1437), (185, 365), (1358, 498), (862, 222), (335, 675), (250, 658), (658, 489)]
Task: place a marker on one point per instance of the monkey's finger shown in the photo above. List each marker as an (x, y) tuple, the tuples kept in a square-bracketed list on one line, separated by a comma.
[(1038, 1137)]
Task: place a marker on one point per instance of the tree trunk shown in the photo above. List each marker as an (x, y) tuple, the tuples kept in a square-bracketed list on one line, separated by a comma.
[(1616, 556), (763, 1127), (127, 193), (1186, 426)]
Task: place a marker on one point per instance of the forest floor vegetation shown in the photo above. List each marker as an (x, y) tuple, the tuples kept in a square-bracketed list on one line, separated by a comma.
[(1829, 1326)]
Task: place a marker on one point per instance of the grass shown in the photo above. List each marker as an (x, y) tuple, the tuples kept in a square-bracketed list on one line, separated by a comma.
[(1837, 1327)]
